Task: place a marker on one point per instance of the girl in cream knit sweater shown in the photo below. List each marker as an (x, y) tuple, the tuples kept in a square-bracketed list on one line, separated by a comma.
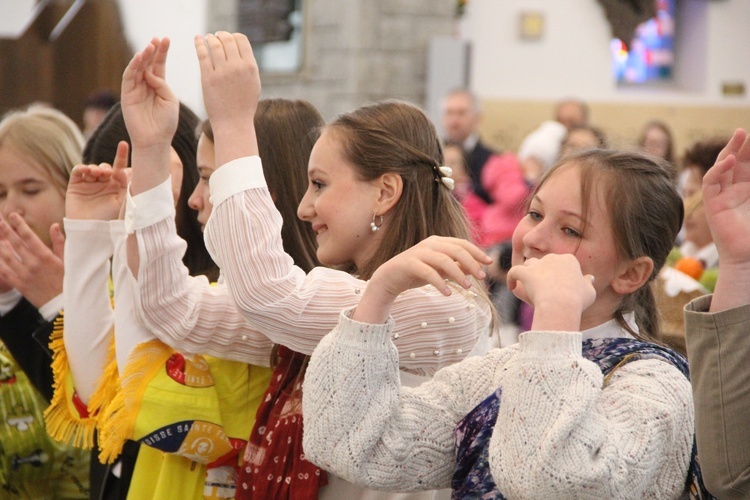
[(584, 406)]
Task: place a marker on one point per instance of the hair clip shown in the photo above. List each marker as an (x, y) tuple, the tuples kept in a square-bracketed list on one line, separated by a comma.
[(446, 171), (444, 176)]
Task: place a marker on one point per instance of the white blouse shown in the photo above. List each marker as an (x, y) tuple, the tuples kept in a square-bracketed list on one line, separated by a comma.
[(263, 287)]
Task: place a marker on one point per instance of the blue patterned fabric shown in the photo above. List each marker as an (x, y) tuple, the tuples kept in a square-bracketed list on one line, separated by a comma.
[(472, 478)]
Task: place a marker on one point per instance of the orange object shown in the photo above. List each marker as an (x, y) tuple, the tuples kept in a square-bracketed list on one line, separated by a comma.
[(690, 266)]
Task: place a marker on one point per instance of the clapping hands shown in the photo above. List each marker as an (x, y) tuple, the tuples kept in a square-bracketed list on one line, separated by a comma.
[(27, 264)]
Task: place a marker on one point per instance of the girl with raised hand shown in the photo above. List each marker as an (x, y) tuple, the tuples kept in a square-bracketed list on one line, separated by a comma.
[(585, 405), (237, 386), (717, 325), (375, 188), (38, 148), (95, 198)]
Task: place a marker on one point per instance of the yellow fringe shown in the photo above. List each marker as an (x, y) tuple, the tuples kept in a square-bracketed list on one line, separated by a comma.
[(61, 423), (109, 382), (117, 419)]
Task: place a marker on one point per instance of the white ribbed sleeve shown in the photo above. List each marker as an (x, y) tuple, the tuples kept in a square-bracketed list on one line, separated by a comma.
[(277, 298), (187, 312)]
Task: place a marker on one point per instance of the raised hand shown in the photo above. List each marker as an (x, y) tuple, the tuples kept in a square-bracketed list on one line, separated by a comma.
[(151, 113), (27, 264), (726, 196), (231, 89), (432, 261), (149, 106), (556, 287), (97, 192)]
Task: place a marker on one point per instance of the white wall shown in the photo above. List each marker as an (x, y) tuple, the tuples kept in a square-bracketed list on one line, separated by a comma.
[(180, 20), (573, 59), (15, 15)]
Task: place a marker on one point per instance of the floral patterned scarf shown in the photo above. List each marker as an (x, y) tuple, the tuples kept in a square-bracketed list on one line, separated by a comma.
[(472, 478), (274, 465)]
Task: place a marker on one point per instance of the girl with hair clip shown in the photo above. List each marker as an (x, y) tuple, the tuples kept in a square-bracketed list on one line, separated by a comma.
[(38, 148), (375, 188), (587, 404)]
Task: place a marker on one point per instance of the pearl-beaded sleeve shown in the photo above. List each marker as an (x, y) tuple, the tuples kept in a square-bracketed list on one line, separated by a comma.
[(277, 298), (363, 425)]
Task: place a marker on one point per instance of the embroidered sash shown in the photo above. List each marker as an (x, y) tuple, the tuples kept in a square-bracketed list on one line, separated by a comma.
[(472, 478)]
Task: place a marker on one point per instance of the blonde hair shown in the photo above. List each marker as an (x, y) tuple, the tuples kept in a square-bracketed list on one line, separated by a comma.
[(45, 136)]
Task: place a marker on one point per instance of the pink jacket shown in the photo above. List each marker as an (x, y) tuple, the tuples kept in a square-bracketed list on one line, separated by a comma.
[(502, 178)]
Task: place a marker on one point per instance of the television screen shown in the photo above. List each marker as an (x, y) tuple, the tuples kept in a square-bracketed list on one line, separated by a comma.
[(649, 57)]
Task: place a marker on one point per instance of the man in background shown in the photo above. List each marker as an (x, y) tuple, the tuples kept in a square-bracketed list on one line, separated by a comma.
[(461, 117)]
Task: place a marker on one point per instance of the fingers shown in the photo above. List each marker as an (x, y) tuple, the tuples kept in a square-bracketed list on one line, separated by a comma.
[(743, 154), (121, 156), (78, 173), (215, 50), (92, 173), (229, 45), (439, 259), (734, 144), (244, 47), (719, 169), (22, 237), (204, 56), (132, 74), (160, 58), (470, 258), (8, 262), (517, 274), (58, 240)]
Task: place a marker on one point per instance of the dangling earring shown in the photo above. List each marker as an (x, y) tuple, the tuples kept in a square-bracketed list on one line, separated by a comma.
[(376, 227)]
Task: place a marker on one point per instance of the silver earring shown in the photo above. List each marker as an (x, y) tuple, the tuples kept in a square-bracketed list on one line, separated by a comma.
[(376, 227)]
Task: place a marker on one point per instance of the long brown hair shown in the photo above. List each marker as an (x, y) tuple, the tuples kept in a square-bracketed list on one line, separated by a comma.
[(646, 214), (396, 137), (102, 147), (286, 131)]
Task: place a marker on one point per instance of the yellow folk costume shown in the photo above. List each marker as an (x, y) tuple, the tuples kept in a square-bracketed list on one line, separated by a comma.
[(193, 413)]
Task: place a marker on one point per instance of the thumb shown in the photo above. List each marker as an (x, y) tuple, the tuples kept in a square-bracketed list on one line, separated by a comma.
[(58, 240)]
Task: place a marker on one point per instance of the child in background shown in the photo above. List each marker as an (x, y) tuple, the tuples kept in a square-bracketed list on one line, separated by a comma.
[(586, 404), (717, 328), (463, 190), (693, 266)]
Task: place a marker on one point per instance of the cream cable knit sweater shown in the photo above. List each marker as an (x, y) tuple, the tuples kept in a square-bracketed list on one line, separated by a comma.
[(559, 432)]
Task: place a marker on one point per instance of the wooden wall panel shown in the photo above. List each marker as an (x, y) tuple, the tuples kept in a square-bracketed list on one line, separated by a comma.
[(505, 123), (90, 54)]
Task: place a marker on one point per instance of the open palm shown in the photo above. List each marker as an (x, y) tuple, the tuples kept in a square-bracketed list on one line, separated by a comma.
[(726, 194), (149, 106)]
